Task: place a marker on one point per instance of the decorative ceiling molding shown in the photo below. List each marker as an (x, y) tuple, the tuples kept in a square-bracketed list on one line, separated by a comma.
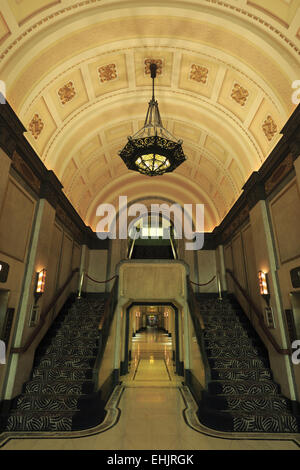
[(91, 3)]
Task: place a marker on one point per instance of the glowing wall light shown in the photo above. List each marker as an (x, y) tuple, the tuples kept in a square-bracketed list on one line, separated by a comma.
[(40, 283), (263, 286)]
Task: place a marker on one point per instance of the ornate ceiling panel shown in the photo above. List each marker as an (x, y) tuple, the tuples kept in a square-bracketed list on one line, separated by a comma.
[(77, 75)]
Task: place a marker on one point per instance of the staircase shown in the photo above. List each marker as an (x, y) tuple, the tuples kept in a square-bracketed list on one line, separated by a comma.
[(242, 395), (60, 393)]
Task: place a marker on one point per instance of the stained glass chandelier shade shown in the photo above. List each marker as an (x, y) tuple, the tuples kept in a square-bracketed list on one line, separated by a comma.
[(153, 150)]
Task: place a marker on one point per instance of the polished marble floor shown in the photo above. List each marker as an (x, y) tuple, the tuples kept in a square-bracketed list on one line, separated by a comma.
[(152, 412)]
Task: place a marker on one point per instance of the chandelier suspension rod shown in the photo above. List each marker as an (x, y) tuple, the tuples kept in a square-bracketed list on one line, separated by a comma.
[(153, 68)]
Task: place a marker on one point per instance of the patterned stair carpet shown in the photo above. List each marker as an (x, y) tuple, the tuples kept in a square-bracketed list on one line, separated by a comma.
[(60, 394), (242, 395)]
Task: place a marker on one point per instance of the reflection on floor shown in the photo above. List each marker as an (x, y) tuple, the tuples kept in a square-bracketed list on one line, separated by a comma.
[(152, 416), (151, 363)]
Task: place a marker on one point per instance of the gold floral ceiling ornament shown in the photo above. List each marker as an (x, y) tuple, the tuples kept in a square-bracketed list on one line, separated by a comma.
[(67, 92), (239, 94), (198, 73), (36, 126), (269, 127), (159, 65), (107, 73), (152, 150)]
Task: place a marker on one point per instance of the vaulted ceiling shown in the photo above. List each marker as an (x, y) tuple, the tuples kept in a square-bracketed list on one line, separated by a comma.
[(77, 75)]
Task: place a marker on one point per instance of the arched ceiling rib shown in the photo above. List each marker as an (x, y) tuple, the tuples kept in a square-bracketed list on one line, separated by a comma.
[(76, 75)]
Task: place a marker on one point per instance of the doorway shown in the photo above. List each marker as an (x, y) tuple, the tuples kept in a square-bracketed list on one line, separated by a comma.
[(152, 236), (152, 332)]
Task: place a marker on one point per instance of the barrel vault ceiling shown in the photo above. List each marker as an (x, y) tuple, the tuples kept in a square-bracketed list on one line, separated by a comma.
[(77, 75)]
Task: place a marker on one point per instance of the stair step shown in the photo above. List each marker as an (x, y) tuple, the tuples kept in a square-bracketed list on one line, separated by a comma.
[(69, 335), (224, 334), (37, 421), (71, 342), (243, 387), (234, 353), (237, 363), (68, 373), (247, 403), (68, 351), (265, 422), (46, 403), (241, 374), (229, 342), (88, 322), (228, 326), (91, 311), (69, 330), (75, 362), (223, 323), (59, 387)]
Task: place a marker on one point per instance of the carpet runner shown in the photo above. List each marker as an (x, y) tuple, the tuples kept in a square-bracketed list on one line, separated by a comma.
[(60, 393), (242, 395)]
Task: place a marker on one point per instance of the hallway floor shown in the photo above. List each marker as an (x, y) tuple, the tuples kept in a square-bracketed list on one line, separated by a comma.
[(151, 412)]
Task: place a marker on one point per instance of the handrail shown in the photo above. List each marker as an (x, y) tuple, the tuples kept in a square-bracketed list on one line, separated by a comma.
[(104, 327), (205, 283), (260, 317), (43, 316), (195, 313), (100, 282), (191, 295), (84, 274), (108, 303)]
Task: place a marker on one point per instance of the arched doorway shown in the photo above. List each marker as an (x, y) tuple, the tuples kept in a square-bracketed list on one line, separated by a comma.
[(152, 236)]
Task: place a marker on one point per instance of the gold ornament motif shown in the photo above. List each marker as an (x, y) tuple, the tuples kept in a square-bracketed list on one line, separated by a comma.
[(198, 73), (107, 72), (269, 127), (158, 62), (36, 126), (67, 92), (239, 94)]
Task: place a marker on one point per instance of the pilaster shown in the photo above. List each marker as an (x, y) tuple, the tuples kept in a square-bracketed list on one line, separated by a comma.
[(265, 260), (38, 256)]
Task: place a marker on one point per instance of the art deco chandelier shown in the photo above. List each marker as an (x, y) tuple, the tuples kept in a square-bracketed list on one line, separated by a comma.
[(153, 150)]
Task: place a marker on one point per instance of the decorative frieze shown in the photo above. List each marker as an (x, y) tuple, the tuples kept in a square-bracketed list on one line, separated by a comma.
[(279, 173), (237, 221), (25, 171), (7, 142), (68, 222)]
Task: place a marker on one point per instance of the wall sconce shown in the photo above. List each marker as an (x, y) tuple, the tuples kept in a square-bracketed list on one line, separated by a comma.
[(263, 286), (40, 284)]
